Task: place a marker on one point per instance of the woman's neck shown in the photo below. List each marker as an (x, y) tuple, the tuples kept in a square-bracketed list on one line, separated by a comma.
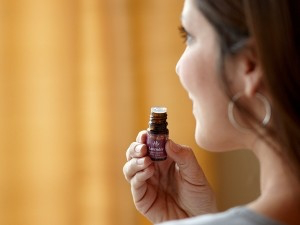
[(280, 189)]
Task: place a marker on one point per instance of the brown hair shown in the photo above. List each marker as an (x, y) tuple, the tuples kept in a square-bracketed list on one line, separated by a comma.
[(274, 25)]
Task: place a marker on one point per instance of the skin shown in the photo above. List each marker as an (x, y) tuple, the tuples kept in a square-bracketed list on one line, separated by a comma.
[(171, 189), (177, 188)]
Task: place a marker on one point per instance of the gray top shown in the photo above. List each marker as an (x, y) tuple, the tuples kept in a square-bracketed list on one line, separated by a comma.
[(234, 216)]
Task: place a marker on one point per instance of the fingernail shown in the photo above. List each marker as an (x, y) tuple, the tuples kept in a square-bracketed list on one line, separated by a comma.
[(138, 148), (140, 161)]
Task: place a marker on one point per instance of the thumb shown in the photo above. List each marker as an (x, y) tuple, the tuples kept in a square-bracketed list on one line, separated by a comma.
[(186, 162)]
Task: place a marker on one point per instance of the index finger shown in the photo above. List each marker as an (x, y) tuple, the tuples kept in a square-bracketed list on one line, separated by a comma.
[(136, 150), (142, 137)]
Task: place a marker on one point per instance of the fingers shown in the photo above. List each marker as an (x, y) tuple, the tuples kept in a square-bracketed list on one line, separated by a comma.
[(142, 137), (142, 176), (138, 170), (136, 150), (137, 162), (138, 183), (186, 162)]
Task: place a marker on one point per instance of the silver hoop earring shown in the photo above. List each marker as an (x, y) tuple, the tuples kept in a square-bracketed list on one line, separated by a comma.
[(232, 104)]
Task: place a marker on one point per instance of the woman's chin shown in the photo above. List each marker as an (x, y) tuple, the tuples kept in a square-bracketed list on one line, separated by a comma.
[(204, 144), (212, 143), (202, 141)]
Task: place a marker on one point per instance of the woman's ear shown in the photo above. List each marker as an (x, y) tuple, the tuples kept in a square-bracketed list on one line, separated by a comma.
[(250, 70)]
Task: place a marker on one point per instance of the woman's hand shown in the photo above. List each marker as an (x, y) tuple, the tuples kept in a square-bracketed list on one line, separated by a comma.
[(171, 189)]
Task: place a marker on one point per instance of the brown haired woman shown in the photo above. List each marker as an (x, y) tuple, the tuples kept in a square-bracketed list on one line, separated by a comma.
[(241, 69)]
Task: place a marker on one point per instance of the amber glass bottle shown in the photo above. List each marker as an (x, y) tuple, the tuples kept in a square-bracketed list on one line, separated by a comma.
[(157, 134)]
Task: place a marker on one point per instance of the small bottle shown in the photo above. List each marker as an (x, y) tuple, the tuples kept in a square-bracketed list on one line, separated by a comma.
[(157, 134)]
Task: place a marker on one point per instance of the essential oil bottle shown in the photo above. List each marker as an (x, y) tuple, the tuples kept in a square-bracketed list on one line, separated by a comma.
[(157, 134)]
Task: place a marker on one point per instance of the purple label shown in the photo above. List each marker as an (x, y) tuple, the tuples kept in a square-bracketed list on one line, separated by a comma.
[(156, 146)]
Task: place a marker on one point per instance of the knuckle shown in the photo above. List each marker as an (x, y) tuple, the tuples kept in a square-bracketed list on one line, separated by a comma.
[(125, 171), (187, 148), (141, 138), (128, 154), (126, 168), (134, 182), (132, 145), (130, 151)]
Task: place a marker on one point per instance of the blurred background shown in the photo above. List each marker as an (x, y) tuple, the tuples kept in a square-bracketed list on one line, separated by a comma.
[(77, 80)]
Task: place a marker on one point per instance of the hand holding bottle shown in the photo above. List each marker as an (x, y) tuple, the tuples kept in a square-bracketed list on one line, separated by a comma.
[(171, 189)]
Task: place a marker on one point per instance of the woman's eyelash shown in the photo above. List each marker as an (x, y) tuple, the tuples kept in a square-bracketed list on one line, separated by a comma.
[(183, 33)]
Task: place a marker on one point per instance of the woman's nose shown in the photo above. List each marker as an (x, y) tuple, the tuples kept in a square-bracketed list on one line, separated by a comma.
[(177, 68)]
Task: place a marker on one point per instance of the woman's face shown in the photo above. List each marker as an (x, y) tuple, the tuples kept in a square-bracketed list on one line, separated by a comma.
[(197, 70)]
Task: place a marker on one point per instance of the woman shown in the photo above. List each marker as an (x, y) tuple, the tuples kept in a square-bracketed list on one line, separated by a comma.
[(241, 69)]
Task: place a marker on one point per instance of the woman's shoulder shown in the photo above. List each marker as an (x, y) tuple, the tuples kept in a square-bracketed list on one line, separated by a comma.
[(233, 216)]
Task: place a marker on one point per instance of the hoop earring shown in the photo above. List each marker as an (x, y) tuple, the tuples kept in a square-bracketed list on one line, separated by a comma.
[(232, 104)]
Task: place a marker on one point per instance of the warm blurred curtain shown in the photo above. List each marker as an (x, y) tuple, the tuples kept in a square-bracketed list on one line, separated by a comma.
[(77, 79), (76, 85)]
